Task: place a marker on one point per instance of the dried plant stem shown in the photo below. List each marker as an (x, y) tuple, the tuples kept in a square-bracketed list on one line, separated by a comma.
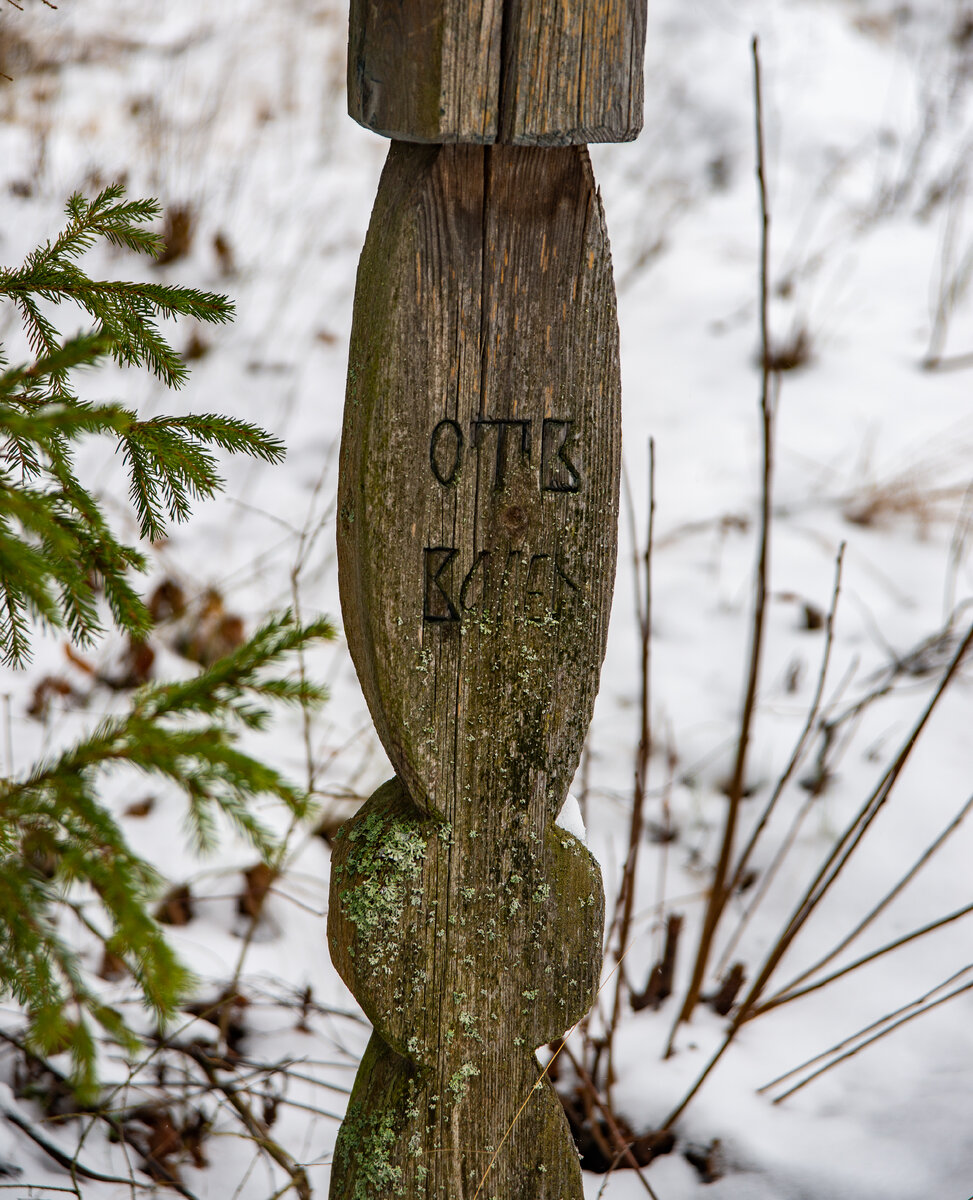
[(849, 841), (68, 1191), (957, 551), (306, 540), (622, 1145), (953, 278), (636, 555), (663, 870), (789, 993), (843, 848), (627, 889), (770, 874), (65, 1160), (809, 1062), (613, 925), (795, 760), (874, 1038), (601, 1141), (608, 1174), (886, 900), (718, 892), (254, 1127)]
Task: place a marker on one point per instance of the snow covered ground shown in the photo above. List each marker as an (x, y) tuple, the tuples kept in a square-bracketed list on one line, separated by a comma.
[(236, 112)]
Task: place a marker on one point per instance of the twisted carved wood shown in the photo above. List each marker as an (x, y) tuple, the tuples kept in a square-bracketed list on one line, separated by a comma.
[(477, 511), (478, 500)]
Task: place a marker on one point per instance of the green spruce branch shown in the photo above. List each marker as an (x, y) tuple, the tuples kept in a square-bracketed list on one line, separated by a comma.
[(185, 733), (62, 566), (56, 549), (125, 312)]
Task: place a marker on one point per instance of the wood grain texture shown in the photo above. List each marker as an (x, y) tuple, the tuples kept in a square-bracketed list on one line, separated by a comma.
[(572, 71), (426, 70), (478, 499), (521, 72)]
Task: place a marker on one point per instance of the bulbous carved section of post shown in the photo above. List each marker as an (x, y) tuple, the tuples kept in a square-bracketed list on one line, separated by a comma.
[(465, 960), (478, 501)]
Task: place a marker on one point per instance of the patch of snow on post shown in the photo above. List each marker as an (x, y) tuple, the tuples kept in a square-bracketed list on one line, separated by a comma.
[(570, 818)]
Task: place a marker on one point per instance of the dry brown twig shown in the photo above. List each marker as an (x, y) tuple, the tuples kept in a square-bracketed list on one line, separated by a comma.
[(667, 834), (719, 893), (941, 838), (255, 1127), (882, 1033), (786, 995), (622, 1146), (809, 1062), (626, 894), (842, 850), (785, 777)]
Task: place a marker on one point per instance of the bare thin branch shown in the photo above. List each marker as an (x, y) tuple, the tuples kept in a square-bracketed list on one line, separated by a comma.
[(809, 1062), (627, 890), (785, 996), (719, 892), (788, 772), (886, 900), (874, 1038)]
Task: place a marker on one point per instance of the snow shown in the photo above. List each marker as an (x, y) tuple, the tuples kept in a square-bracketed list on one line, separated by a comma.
[(572, 819), (238, 111)]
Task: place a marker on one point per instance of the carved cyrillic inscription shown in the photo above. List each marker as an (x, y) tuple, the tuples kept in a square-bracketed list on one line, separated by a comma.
[(558, 472), (446, 451), (510, 441), (541, 581), (532, 587), (502, 443), (437, 605)]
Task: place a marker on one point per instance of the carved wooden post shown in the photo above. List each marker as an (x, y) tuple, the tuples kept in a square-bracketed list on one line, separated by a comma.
[(478, 502)]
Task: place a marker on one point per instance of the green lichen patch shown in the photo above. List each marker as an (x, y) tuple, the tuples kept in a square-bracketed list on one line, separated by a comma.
[(385, 861), (368, 1141), (468, 1021), (460, 1079)]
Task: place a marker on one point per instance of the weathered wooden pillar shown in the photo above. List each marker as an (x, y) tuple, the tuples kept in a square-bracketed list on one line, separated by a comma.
[(478, 501)]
